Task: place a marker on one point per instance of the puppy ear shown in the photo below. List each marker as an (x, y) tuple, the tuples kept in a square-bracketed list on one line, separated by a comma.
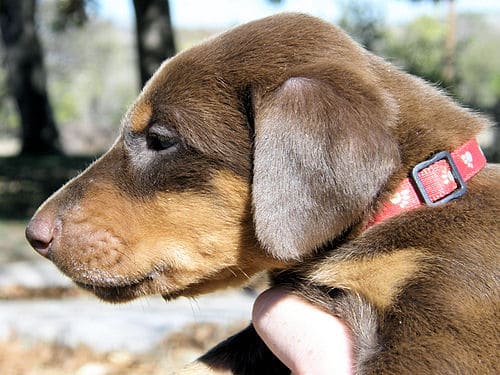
[(322, 152)]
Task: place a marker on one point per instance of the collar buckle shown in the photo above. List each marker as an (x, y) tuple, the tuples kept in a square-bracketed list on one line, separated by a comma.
[(458, 192)]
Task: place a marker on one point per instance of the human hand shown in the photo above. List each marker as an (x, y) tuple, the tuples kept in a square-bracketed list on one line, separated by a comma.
[(305, 338)]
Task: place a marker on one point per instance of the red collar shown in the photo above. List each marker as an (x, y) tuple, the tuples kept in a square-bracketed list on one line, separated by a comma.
[(434, 181)]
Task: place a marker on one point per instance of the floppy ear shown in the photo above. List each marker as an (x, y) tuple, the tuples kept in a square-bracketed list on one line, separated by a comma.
[(322, 152)]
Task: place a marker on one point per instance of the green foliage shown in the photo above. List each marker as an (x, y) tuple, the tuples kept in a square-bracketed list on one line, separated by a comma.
[(92, 74), (91, 78), (363, 20), (495, 83), (419, 47), (478, 64), (65, 106), (72, 13)]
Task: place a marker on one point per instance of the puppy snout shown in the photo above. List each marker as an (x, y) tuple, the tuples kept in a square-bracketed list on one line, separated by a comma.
[(40, 233)]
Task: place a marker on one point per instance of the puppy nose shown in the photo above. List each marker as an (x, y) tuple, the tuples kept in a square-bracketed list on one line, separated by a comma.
[(40, 233)]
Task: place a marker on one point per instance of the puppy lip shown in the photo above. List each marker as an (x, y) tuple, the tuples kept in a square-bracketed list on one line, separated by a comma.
[(92, 282), (113, 294), (117, 292), (121, 292), (100, 285)]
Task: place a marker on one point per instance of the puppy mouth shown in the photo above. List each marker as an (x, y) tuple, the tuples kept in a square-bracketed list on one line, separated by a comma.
[(123, 291)]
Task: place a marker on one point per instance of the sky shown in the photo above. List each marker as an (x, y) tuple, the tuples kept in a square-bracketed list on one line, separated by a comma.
[(227, 13)]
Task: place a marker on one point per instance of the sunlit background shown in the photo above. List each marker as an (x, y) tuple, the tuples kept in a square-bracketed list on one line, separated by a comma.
[(92, 74)]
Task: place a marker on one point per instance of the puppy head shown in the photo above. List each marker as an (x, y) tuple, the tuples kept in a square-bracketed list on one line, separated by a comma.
[(167, 209), (227, 164)]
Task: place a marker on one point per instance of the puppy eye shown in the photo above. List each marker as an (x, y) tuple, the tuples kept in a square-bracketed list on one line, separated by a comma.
[(161, 141)]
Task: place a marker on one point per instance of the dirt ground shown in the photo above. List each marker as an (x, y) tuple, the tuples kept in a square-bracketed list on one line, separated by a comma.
[(21, 355), (23, 358)]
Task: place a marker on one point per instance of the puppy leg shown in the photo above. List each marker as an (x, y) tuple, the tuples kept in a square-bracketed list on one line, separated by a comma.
[(242, 354)]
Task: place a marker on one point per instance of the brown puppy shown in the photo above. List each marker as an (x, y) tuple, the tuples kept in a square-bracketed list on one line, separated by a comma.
[(270, 147)]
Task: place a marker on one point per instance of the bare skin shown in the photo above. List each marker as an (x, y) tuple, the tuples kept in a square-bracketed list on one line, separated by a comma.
[(306, 339)]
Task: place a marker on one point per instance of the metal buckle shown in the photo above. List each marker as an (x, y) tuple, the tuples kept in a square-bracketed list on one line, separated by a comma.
[(458, 192)]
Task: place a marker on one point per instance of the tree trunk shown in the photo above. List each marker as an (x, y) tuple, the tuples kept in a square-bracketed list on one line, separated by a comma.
[(155, 38), (27, 77)]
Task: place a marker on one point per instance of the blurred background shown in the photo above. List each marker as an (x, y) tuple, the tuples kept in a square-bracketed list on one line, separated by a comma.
[(68, 71)]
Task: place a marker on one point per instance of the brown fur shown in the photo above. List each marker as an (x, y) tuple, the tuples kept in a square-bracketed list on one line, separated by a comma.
[(270, 147)]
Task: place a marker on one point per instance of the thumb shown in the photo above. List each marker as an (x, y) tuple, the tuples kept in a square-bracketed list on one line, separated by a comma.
[(305, 338)]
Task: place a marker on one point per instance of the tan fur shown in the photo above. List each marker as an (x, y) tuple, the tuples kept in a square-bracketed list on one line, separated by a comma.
[(378, 278), (140, 116), (181, 239)]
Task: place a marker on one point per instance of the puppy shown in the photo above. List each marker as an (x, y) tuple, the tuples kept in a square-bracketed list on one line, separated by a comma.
[(282, 145)]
